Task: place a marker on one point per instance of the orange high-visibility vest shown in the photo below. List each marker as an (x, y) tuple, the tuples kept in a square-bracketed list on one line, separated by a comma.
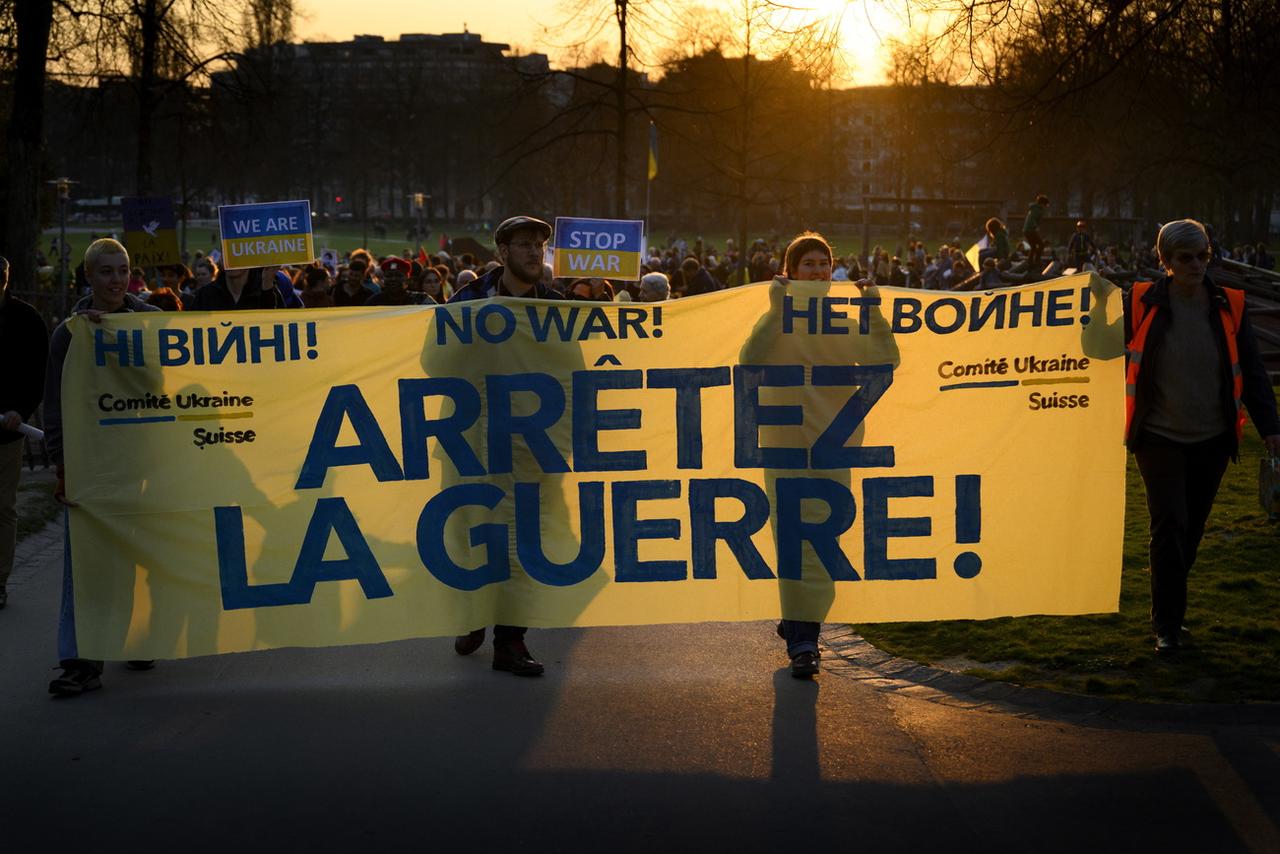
[(1140, 317)]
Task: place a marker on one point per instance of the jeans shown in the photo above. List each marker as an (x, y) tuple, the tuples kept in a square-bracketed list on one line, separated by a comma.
[(10, 469), (1181, 480), (800, 635), (68, 651)]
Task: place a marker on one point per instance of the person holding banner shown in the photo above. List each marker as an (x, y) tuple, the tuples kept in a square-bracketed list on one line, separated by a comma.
[(1193, 368), (806, 588), (24, 345), (242, 289), (521, 242), (106, 264)]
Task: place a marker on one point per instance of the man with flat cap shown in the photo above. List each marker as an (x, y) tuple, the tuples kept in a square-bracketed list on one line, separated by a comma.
[(521, 242)]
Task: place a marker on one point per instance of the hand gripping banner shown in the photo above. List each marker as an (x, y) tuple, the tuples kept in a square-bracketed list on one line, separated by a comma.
[(814, 451)]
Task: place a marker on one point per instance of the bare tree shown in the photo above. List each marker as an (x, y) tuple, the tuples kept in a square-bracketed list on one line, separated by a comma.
[(1126, 93), (29, 43)]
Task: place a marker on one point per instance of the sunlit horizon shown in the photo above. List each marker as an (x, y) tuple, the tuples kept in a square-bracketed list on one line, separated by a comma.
[(529, 26)]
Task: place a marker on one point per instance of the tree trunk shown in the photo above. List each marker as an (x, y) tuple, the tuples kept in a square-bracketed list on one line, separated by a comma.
[(20, 228), (744, 254), (1262, 217), (147, 86), (620, 175)]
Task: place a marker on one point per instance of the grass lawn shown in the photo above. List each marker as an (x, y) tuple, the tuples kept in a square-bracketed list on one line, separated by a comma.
[(1233, 614)]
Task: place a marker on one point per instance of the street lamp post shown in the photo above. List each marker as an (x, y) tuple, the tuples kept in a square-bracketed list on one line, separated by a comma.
[(420, 201), (63, 186)]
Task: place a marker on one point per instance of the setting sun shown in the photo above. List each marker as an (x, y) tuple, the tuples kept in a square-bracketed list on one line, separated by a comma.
[(864, 28)]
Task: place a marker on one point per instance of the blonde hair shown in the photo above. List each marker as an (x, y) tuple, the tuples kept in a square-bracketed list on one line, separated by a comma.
[(103, 246), (1180, 234)]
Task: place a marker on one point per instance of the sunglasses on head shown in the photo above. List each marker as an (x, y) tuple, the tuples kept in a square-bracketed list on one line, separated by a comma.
[(1188, 257)]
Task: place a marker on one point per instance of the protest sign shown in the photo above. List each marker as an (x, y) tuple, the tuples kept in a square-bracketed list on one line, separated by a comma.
[(813, 451), (604, 248), (150, 231), (329, 258), (264, 235)]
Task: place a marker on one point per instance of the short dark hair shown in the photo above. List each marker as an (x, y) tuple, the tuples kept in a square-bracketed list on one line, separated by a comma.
[(800, 245)]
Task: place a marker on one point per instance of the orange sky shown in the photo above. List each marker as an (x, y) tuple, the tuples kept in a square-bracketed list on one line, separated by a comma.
[(530, 24)]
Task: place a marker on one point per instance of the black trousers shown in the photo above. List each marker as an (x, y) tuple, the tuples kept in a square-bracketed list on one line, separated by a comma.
[(1035, 244), (1181, 480)]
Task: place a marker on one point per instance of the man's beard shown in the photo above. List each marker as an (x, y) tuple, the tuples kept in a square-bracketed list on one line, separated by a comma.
[(529, 278)]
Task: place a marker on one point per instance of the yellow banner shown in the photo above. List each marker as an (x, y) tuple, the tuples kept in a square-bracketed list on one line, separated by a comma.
[(263, 479)]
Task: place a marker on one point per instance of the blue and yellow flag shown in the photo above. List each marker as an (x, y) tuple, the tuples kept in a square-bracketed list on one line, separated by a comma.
[(653, 151), (150, 231), (263, 235)]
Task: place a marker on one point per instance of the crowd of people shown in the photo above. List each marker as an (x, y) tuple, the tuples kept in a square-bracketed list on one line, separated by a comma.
[(678, 270), (1197, 367)]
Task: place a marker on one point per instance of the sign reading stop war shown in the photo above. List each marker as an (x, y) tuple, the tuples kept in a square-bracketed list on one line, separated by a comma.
[(608, 248), (264, 235)]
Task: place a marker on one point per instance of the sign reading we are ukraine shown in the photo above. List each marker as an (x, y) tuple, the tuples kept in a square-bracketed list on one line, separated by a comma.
[(265, 235), (608, 248)]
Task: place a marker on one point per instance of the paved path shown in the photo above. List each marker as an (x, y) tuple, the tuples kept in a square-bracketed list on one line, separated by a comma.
[(640, 739)]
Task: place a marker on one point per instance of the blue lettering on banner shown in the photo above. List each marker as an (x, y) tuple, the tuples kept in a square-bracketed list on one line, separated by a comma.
[(706, 529), (878, 527), (810, 514), (493, 537), (534, 560), (332, 516), (941, 316), (629, 530), (207, 345)]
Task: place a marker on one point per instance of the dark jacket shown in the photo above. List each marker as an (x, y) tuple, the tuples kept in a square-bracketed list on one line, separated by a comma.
[(59, 344), (24, 348), (1259, 398), (700, 282), (404, 298), (342, 299), (490, 285), (216, 296)]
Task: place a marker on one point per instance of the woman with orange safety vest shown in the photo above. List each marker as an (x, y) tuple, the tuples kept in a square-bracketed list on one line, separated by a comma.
[(1193, 369)]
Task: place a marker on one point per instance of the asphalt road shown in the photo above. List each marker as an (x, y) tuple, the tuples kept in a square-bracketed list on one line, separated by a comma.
[(672, 738)]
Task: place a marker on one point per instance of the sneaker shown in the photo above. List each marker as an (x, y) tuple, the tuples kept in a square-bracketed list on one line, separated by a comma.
[(468, 643), (514, 658), (140, 664), (1167, 644), (804, 664), (77, 678)]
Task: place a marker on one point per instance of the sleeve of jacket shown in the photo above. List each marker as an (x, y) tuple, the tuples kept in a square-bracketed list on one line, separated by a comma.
[(1259, 397), (201, 301), (37, 349), (58, 346)]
